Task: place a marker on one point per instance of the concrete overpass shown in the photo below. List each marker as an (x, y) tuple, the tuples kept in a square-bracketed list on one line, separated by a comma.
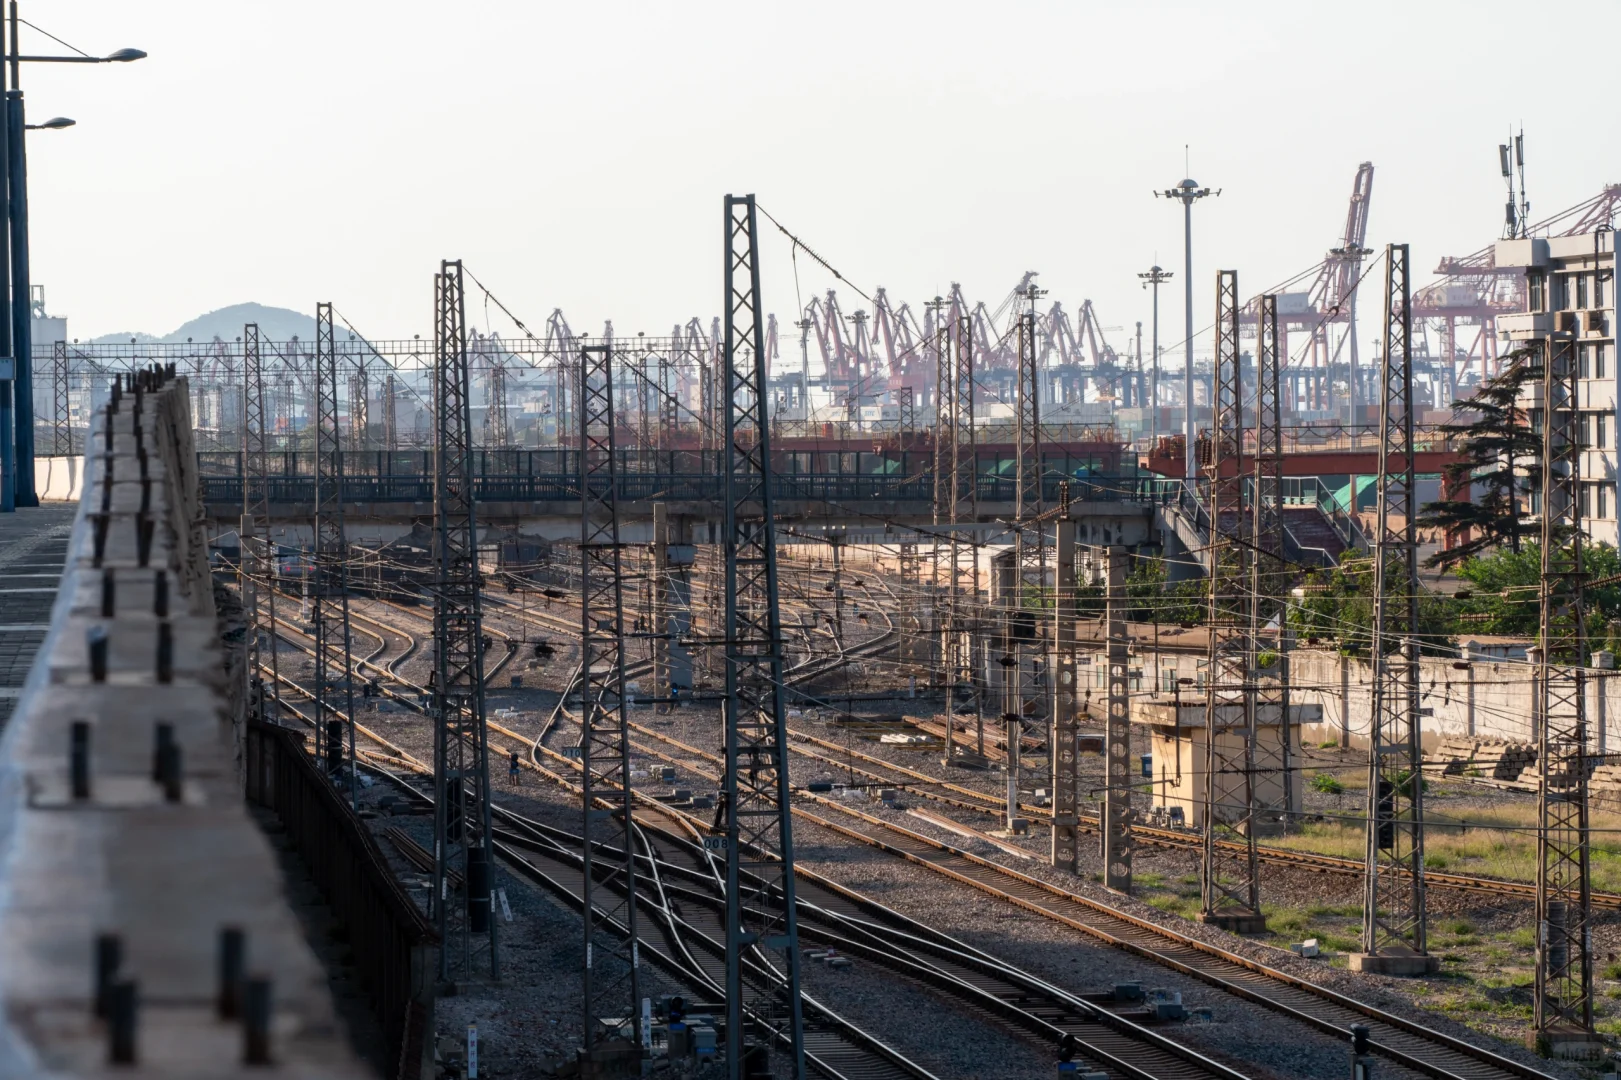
[(143, 915)]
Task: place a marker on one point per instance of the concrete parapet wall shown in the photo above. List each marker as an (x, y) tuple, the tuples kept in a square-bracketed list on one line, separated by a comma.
[(104, 848)]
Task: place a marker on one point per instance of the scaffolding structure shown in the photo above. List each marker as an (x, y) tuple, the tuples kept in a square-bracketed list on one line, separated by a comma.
[(461, 767), (762, 936), (611, 979)]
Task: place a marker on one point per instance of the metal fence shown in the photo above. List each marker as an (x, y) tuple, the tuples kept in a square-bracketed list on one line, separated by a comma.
[(392, 941)]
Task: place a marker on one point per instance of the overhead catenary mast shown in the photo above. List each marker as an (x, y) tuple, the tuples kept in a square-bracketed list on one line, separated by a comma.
[(467, 930), (762, 935)]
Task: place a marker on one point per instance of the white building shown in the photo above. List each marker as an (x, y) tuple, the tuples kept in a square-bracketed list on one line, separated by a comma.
[(1571, 289)]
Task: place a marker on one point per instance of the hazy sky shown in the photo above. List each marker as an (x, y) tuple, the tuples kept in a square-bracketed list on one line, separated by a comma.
[(575, 154)]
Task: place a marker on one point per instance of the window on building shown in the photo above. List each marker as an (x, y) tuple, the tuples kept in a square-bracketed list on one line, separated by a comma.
[(1587, 500), (1600, 431), (1599, 352), (1603, 500), (1581, 290), (1598, 289), (1584, 362), (1536, 279)]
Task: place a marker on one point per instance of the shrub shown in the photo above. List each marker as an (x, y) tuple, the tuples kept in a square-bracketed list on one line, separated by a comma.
[(1326, 784)]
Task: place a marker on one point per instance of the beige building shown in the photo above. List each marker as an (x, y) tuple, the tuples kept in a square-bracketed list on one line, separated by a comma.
[(1176, 739), (1570, 289)]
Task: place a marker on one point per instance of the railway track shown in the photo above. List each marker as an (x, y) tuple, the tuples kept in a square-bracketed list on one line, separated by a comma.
[(1402, 1041), (1396, 1038)]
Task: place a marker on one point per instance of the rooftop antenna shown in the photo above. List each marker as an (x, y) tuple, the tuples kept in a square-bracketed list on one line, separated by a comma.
[(1516, 215)]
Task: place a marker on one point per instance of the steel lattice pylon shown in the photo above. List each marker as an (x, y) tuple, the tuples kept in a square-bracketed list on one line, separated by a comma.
[(1026, 692), (1393, 917), (1564, 983), (762, 933), (390, 403), (61, 419), (611, 989), (461, 767), (257, 554), (497, 423), (963, 569), (1273, 778), (1229, 874), (329, 595), (359, 408)]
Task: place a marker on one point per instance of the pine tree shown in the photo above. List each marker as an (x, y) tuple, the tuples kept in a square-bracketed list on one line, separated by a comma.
[(1495, 443)]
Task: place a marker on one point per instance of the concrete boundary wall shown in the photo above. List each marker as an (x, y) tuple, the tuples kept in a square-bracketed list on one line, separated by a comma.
[(104, 847), (1490, 698)]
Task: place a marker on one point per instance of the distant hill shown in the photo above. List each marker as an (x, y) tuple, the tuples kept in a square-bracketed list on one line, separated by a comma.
[(275, 324)]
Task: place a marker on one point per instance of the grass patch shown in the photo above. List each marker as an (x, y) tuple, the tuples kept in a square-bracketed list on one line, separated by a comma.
[(1499, 842)]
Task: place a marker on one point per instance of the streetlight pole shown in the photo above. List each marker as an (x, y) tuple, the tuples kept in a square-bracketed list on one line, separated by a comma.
[(18, 450), (1155, 277), (1188, 192)]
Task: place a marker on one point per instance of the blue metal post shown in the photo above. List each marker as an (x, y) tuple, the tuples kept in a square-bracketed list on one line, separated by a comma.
[(22, 312)]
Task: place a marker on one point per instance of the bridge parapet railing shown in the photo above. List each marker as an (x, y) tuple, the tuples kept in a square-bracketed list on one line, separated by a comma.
[(123, 832)]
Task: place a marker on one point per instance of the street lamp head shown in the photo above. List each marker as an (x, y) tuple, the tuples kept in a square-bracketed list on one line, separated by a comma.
[(55, 123), (124, 56)]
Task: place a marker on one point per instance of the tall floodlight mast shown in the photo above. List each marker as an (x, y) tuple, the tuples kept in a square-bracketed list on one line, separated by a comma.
[(1154, 279), (1564, 984), (611, 989), (1187, 193), (762, 933), (1393, 916), (461, 767)]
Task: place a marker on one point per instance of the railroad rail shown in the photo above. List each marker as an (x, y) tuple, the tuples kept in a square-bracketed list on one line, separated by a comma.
[(1403, 1041)]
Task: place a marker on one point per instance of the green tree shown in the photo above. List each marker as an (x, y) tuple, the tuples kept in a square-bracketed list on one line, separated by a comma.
[(1503, 588), (1495, 442), (1155, 598), (1338, 608)]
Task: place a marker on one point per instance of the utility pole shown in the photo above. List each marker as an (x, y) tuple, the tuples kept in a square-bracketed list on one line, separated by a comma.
[(1230, 881), (1066, 771), (761, 922), (1117, 810), (1393, 916), (1154, 279), (1187, 193), (330, 610), (612, 990), (461, 766), (1564, 983)]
